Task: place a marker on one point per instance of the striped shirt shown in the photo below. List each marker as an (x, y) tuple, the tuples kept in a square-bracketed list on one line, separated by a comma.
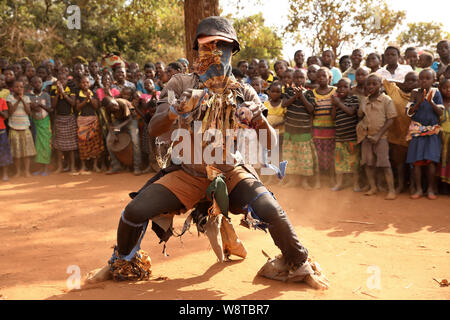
[(298, 119), (322, 110), (345, 124), (19, 120)]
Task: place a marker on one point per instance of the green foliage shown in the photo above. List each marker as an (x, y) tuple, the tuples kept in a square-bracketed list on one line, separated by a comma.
[(323, 24), (142, 30), (256, 39), (422, 34)]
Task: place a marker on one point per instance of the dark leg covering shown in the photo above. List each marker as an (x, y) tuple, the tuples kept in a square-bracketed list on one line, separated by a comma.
[(152, 201), (270, 212)]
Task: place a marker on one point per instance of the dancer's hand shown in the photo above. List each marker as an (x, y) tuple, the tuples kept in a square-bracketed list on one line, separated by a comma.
[(256, 114)]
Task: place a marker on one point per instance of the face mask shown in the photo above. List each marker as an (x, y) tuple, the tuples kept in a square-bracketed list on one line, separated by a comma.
[(214, 66)]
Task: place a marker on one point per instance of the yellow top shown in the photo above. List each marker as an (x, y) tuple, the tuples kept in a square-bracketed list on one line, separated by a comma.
[(275, 114), (445, 120)]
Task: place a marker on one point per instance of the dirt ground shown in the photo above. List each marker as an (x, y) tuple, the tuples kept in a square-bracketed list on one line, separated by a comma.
[(368, 247)]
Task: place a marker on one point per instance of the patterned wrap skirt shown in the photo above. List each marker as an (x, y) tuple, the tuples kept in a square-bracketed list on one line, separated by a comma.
[(347, 156), (5, 149), (90, 140), (300, 152), (324, 142), (22, 144), (66, 138)]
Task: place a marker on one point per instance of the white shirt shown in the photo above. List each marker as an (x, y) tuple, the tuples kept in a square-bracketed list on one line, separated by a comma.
[(399, 74)]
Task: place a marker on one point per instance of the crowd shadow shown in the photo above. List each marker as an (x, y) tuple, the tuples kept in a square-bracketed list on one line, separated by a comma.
[(347, 213)]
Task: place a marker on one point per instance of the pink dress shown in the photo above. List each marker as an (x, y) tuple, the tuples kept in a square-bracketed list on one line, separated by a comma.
[(101, 93)]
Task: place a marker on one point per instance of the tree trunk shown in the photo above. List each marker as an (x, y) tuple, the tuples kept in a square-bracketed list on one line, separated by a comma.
[(194, 12)]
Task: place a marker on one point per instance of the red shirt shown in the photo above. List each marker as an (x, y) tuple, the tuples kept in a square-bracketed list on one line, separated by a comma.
[(3, 107)]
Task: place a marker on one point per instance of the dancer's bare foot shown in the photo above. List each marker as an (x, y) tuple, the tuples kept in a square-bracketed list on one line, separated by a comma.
[(318, 282), (17, 175), (99, 275), (27, 174)]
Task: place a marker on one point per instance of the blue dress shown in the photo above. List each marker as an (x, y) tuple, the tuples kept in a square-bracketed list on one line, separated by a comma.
[(426, 147)]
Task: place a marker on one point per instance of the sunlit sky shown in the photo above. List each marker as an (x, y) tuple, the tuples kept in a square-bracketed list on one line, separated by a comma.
[(275, 13)]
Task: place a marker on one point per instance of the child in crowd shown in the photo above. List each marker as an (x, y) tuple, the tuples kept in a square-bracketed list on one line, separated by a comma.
[(280, 67), (5, 150), (30, 72), (41, 107), (400, 93), (323, 123), (412, 58), (65, 136), (299, 59), (312, 77), (347, 150), (360, 79), (90, 142), (149, 73), (265, 73), (20, 138), (298, 145), (287, 79), (257, 84), (313, 60), (276, 112), (424, 150), (10, 78), (446, 74), (393, 70), (107, 89), (444, 172), (356, 59), (327, 60), (252, 73), (443, 50), (243, 68), (425, 60), (345, 63), (376, 114), (373, 62), (4, 92)]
